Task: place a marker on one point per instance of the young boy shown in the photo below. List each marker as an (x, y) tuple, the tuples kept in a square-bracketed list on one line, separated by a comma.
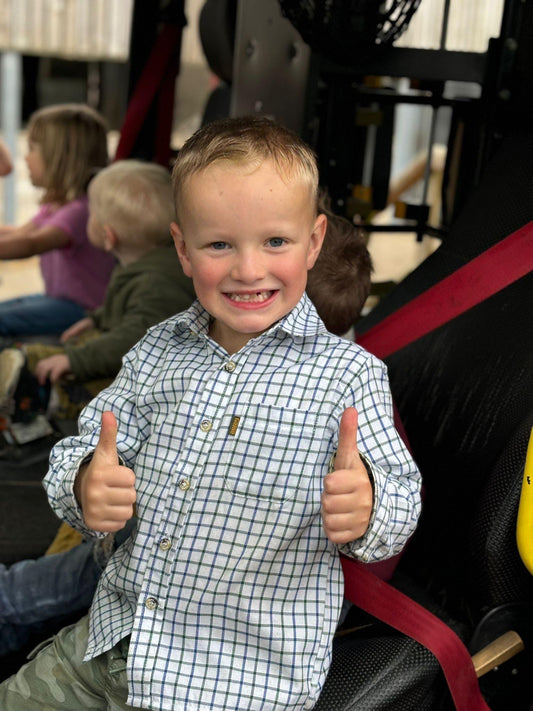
[(228, 594), (130, 210), (338, 285)]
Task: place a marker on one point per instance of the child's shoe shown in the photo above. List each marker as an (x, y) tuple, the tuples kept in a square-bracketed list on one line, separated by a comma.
[(21, 395), (22, 401)]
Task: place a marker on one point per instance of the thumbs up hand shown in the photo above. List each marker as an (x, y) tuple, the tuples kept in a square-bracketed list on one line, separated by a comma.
[(105, 489), (347, 496)]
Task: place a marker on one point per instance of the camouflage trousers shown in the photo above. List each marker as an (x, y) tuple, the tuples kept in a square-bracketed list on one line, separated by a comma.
[(55, 678)]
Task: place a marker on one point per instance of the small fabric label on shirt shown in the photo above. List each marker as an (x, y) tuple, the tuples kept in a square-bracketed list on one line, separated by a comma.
[(233, 425)]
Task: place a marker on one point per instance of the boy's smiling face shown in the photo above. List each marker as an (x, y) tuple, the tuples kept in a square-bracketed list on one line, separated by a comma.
[(247, 238)]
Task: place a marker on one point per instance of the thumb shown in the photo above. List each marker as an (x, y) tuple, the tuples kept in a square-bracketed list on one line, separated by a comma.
[(347, 447), (106, 449)]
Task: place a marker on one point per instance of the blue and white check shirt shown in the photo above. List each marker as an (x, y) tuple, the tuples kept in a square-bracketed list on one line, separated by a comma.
[(229, 587)]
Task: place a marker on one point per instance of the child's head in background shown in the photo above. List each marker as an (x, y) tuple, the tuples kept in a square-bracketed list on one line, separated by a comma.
[(67, 146), (339, 283), (131, 204)]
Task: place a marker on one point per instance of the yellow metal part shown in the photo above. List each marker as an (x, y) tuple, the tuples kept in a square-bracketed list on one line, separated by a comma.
[(524, 522)]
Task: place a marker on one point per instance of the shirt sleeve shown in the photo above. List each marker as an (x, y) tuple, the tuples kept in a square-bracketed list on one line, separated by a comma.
[(396, 479), (70, 218), (68, 454)]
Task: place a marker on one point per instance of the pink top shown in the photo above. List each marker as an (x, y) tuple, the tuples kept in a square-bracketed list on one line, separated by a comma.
[(78, 272)]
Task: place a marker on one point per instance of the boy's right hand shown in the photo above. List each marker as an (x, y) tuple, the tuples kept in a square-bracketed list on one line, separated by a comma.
[(104, 488)]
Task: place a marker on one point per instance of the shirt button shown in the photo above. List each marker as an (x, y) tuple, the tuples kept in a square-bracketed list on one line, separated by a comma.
[(151, 603), (206, 425), (184, 485), (165, 544), (230, 366)]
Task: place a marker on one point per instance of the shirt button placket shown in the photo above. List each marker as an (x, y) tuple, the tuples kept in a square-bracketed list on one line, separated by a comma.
[(206, 425), (151, 603), (165, 544)]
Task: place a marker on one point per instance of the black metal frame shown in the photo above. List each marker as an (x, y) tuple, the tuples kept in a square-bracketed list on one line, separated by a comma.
[(336, 93)]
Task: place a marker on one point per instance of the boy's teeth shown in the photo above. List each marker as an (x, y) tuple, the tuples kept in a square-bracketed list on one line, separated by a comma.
[(258, 296)]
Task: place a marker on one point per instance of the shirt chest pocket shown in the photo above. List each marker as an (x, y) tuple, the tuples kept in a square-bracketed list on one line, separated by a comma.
[(273, 453)]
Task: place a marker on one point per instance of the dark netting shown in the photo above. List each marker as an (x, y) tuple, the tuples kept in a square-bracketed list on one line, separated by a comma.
[(385, 672), (497, 575), (346, 30)]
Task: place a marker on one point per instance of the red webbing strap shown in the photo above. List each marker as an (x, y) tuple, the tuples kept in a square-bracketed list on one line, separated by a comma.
[(161, 66), (381, 600), (165, 111), (483, 276)]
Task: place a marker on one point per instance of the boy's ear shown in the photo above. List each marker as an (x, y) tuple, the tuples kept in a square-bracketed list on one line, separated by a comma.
[(181, 248), (110, 238), (317, 238)]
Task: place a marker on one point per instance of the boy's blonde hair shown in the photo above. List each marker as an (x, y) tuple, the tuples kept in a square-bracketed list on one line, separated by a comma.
[(73, 143), (246, 141), (135, 199)]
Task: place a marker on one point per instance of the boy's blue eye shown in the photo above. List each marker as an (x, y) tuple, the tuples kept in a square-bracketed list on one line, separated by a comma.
[(219, 245), (276, 241)]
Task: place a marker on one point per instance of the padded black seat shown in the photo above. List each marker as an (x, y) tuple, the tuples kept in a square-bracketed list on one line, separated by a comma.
[(464, 393)]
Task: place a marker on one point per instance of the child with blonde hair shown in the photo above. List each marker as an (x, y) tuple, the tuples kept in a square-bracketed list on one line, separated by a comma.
[(253, 445), (67, 145), (37, 595)]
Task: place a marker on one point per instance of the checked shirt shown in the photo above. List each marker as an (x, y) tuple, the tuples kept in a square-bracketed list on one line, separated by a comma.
[(229, 587)]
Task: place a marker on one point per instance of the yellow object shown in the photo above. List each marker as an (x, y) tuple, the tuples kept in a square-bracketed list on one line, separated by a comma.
[(524, 522), (400, 209), (65, 539), (497, 652), (362, 192)]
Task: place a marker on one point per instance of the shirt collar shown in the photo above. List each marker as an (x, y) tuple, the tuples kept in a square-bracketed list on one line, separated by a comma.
[(302, 321), (194, 319)]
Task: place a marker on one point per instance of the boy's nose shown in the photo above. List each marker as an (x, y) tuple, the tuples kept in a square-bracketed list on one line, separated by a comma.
[(247, 269)]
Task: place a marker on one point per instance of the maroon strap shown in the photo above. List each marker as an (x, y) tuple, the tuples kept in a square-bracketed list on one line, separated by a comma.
[(388, 604), (483, 276), (498, 267), (158, 75)]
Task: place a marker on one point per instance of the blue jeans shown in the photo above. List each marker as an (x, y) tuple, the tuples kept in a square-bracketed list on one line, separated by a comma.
[(34, 592), (38, 314), (51, 589)]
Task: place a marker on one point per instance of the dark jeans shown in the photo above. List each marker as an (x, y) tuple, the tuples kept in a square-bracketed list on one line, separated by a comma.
[(33, 592), (36, 593), (37, 314)]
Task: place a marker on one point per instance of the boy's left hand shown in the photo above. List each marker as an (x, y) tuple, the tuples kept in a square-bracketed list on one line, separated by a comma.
[(347, 496)]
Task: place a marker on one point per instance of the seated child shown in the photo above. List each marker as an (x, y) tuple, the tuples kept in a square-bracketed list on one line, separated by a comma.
[(64, 583), (67, 145), (131, 207), (339, 283), (255, 446)]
